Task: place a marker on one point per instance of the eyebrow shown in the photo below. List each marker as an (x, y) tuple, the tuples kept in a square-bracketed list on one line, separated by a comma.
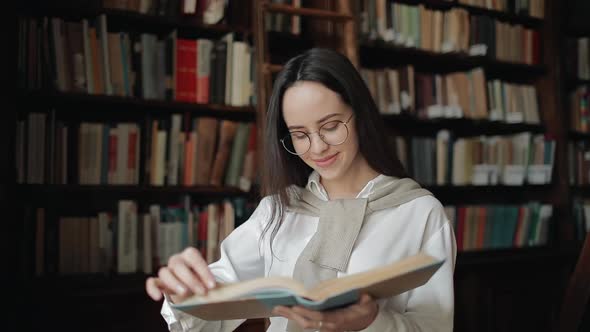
[(319, 121)]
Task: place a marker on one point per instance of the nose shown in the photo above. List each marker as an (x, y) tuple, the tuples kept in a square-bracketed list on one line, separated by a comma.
[(317, 144)]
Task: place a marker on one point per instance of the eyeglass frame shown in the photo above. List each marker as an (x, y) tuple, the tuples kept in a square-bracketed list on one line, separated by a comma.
[(345, 123)]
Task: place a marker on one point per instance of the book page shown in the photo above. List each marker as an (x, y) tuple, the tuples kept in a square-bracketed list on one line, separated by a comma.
[(395, 276), (247, 289)]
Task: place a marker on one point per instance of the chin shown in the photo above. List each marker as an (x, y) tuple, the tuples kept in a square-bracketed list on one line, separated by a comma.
[(331, 173)]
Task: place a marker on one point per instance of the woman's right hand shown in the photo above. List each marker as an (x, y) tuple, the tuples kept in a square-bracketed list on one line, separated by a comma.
[(187, 273)]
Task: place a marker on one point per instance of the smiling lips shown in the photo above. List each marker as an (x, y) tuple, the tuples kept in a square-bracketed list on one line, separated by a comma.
[(325, 162)]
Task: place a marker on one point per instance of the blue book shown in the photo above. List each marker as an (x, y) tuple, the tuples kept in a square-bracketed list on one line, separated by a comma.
[(256, 298)]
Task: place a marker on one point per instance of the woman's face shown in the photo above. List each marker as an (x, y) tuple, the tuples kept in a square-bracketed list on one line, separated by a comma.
[(307, 106)]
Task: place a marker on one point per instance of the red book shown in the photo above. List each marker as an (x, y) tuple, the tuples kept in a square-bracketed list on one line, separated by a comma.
[(461, 227), (202, 236), (131, 157), (186, 70), (536, 48), (481, 230)]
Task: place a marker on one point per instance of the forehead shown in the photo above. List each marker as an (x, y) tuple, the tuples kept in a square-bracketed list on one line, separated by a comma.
[(306, 102)]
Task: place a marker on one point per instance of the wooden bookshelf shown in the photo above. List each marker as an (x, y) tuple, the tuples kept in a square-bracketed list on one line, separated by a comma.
[(499, 257), (380, 54), (409, 124), (574, 83), (70, 101), (490, 194), (578, 135), (581, 190), (58, 192), (187, 25), (526, 20)]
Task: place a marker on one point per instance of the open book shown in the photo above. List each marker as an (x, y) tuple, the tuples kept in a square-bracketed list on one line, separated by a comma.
[(256, 298)]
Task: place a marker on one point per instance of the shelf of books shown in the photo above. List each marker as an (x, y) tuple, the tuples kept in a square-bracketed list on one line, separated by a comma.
[(457, 84), (135, 137), (147, 16), (576, 64), (531, 14)]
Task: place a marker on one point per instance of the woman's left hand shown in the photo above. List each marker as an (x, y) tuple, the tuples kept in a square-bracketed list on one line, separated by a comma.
[(355, 317)]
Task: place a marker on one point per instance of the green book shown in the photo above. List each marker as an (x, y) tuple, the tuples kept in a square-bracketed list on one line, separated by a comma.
[(238, 153)]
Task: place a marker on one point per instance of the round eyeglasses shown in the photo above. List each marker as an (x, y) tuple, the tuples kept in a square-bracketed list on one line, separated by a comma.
[(332, 133)]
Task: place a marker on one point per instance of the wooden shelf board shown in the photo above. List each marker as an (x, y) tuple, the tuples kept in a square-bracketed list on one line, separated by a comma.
[(526, 20), (495, 257), (579, 136), (490, 194), (118, 103), (378, 54), (312, 12), (131, 189), (459, 127), (120, 19)]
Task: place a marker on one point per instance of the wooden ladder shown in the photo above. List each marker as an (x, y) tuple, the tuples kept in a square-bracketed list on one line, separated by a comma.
[(347, 44)]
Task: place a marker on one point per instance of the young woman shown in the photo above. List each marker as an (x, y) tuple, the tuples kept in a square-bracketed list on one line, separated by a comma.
[(338, 202)]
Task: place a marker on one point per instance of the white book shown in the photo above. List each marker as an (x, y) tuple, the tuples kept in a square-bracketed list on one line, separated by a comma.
[(127, 237), (160, 163), (146, 249), (229, 40), (237, 76)]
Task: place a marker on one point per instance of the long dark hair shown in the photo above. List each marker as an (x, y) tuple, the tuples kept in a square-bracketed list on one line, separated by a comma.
[(282, 169)]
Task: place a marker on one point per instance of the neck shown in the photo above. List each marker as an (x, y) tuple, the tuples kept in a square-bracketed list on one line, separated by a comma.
[(350, 184)]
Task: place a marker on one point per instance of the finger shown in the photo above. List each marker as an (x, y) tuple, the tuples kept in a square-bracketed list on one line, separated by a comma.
[(172, 283), (187, 276), (300, 320), (197, 263), (365, 298), (308, 314), (152, 286)]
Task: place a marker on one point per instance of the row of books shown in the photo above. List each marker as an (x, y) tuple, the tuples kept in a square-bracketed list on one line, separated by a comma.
[(454, 95), (500, 226), (205, 11), (581, 214), (84, 56), (508, 160), (128, 240), (177, 151), (578, 58), (535, 8), (579, 103), (579, 162), (454, 30), (282, 22), (201, 151), (168, 8)]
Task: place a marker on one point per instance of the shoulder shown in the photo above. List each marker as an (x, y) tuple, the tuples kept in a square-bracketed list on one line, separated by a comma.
[(425, 212), (424, 204)]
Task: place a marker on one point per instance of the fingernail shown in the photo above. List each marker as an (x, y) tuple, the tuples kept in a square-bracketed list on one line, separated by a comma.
[(211, 284), (180, 289)]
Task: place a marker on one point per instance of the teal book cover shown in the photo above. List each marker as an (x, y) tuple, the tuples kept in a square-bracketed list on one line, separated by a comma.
[(256, 298)]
